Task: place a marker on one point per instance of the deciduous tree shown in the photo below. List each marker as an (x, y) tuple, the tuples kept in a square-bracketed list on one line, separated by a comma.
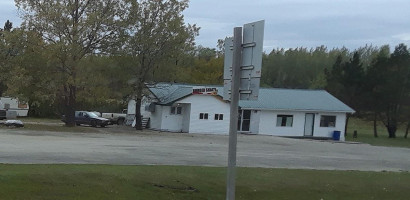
[(158, 34), (71, 30)]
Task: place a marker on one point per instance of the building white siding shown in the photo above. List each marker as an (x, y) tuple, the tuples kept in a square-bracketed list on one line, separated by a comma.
[(131, 107), (156, 118), (171, 122), (186, 113), (262, 121), (328, 131), (268, 124), (211, 105), (13, 104), (198, 111), (144, 104), (255, 121)]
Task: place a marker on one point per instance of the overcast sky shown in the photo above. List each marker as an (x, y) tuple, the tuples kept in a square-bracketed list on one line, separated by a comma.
[(294, 23)]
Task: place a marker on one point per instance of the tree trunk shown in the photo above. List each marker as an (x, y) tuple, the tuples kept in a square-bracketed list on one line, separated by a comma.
[(407, 129), (138, 118), (391, 129), (70, 103), (347, 121), (375, 125)]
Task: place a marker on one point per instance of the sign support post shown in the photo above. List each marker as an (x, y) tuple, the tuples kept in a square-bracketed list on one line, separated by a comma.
[(236, 70), (242, 73)]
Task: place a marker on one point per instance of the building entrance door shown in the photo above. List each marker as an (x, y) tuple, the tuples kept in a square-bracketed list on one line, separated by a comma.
[(244, 120), (309, 124)]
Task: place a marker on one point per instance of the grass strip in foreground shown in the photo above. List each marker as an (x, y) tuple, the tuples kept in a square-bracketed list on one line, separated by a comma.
[(185, 182)]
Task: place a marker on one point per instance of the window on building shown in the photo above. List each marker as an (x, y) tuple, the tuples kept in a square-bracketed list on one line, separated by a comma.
[(203, 115), (176, 110), (219, 117), (284, 120), (327, 121)]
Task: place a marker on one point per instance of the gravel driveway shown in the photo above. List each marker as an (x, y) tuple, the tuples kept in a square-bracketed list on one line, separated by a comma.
[(122, 145)]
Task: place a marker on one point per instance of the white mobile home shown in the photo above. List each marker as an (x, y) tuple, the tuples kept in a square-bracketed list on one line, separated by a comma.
[(281, 112), (13, 104)]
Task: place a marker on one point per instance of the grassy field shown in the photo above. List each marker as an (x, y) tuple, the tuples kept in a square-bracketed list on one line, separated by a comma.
[(182, 182), (365, 134)]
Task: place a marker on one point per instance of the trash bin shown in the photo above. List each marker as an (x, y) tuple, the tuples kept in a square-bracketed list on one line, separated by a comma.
[(336, 135)]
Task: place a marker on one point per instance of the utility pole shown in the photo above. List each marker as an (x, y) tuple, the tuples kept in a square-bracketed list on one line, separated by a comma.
[(233, 130)]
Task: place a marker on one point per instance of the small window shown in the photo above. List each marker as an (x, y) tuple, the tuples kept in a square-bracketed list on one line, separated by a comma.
[(219, 117), (284, 120), (203, 115), (176, 110), (6, 106), (327, 121)]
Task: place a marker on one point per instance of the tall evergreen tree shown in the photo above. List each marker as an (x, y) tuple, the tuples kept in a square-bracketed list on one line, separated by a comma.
[(8, 26), (373, 98), (334, 77), (397, 87), (388, 80), (352, 80)]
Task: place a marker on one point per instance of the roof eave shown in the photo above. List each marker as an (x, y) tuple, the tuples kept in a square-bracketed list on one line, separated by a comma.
[(172, 102), (299, 110)]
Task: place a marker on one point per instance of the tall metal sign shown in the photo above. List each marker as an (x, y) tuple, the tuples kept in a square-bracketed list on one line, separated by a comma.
[(242, 72), (251, 66)]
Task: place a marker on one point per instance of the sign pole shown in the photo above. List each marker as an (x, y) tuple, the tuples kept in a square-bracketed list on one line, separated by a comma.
[(236, 68)]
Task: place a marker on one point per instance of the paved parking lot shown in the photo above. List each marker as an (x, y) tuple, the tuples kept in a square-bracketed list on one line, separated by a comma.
[(122, 146)]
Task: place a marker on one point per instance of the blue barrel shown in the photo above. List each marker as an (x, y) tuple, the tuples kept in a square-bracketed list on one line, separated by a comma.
[(336, 135)]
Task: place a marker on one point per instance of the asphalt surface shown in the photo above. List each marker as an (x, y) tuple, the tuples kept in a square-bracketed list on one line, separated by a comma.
[(125, 147)]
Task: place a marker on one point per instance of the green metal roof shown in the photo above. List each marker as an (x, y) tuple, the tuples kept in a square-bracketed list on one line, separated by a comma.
[(269, 98), (167, 93)]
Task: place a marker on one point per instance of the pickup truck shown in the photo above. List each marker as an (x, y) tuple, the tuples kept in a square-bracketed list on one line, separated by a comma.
[(115, 118), (89, 118)]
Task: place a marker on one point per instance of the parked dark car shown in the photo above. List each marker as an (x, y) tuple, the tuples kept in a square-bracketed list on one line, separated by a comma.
[(89, 118)]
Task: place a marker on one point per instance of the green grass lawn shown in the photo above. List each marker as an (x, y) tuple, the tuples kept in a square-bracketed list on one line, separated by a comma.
[(183, 182), (365, 134)]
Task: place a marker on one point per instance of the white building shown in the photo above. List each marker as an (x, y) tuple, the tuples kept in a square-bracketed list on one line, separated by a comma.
[(13, 104), (280, 112)]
